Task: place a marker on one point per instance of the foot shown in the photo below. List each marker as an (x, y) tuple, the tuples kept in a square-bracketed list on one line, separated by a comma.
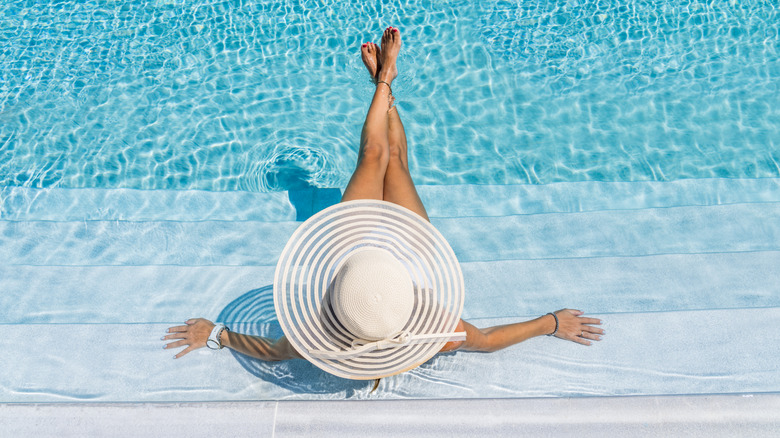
[(391, 45), (370, 53)]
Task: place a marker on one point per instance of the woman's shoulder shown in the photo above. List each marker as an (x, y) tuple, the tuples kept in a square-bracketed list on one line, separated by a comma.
[(454, 345)]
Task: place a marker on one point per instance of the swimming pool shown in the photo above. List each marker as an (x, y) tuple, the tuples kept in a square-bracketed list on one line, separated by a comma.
[(538, 129), (251, 96)]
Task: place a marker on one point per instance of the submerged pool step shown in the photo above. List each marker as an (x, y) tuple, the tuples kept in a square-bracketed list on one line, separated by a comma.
[(25, 204), (19, 203), (584, 196), (626, 233), (143, 294), (99, 279), (724, 352)]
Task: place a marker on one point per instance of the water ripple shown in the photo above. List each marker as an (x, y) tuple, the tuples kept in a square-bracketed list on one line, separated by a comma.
[(216, 95)]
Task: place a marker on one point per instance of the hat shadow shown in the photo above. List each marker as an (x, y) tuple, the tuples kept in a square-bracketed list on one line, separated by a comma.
[(253, 313)]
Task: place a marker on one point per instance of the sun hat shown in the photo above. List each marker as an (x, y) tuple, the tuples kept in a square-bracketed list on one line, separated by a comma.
[(366, 289)]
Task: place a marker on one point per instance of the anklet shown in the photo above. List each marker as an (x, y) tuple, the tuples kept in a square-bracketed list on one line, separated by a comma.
[(388, 85)]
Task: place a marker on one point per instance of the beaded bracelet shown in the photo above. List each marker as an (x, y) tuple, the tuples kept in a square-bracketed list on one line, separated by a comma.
[(556, 324)]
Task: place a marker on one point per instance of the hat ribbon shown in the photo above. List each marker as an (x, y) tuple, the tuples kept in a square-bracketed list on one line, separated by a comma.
[(362, 346)]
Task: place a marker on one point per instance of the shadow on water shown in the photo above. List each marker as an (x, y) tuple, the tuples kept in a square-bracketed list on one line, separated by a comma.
[(253, 313), (308, 201), (289, 174)]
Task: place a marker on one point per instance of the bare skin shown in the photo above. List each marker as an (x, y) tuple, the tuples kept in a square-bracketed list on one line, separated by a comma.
[(382, 173), (195, 333), (572, 326), (382, 170)]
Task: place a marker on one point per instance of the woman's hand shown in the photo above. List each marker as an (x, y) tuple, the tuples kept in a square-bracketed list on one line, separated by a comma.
[(194, 335), (575, 328)]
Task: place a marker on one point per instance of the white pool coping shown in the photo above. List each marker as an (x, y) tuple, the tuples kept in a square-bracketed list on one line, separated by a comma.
[(691, 416)]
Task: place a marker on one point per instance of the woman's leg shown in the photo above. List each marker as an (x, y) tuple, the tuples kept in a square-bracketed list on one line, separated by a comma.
[(367, 181), (397, 184)]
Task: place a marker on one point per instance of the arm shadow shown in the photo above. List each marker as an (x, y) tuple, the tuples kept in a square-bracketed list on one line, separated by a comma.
[(253, 313)]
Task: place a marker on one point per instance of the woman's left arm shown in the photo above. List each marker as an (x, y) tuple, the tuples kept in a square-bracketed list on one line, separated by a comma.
[(571, 326)]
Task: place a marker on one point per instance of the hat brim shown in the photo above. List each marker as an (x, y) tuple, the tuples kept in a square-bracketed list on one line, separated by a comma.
[(314, 255)]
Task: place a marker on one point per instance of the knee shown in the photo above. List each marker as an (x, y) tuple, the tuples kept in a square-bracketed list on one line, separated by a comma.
[(397, 156), (374, 154)]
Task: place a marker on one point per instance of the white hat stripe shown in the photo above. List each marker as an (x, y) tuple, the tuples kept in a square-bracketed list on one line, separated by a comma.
[(312, 258)]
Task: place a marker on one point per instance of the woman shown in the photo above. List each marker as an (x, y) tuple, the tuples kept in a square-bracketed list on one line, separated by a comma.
[(382, 173)]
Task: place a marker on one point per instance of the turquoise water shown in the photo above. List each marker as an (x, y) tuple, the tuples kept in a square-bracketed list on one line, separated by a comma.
[(232, 95), (658, 124)]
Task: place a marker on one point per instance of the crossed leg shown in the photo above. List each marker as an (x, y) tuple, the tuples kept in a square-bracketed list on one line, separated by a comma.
[(382, 170)]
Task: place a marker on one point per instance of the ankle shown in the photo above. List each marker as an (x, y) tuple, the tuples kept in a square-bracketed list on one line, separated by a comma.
[(382, 83), (388, 79)]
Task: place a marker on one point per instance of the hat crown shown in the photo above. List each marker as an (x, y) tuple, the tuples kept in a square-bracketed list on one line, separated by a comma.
[(306, 295), (373, 295)]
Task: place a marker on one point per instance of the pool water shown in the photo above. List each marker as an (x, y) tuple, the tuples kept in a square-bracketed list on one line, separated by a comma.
[(620, 157), (233, 95)]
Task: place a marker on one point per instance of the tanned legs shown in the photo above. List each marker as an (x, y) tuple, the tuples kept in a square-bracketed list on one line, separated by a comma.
[(383, 169)]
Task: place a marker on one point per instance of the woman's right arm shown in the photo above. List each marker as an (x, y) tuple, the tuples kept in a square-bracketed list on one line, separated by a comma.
[(196, 332), (260, 347)]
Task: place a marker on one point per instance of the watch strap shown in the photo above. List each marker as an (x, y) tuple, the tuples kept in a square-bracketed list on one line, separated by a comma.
[(215, 338)]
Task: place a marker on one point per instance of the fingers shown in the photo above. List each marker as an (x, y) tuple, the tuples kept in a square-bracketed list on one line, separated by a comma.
[(183, 352), (581, 341), (190, 323), (580, 338), (591, 336), (580, 319), (193, 335), (590, 321), (576, 328), (593, 330), (176, 344), (181, 343), (588, 332), (179, 328), (179, 335)]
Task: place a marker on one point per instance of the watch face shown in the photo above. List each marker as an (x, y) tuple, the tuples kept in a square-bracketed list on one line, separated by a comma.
[(214, 345)]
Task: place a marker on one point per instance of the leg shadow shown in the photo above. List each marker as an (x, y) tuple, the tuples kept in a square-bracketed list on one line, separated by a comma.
[(310, 200)]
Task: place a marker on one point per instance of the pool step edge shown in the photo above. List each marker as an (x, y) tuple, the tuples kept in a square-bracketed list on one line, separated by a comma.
[(642, 353), (20, 203)]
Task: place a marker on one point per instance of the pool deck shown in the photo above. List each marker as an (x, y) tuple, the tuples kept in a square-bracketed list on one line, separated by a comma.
[(692, 416)]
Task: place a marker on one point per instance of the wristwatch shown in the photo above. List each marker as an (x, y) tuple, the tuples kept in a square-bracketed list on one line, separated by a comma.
[(215, 340)]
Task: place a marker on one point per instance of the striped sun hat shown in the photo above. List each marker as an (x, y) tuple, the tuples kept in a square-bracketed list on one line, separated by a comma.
[(367, 289)]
